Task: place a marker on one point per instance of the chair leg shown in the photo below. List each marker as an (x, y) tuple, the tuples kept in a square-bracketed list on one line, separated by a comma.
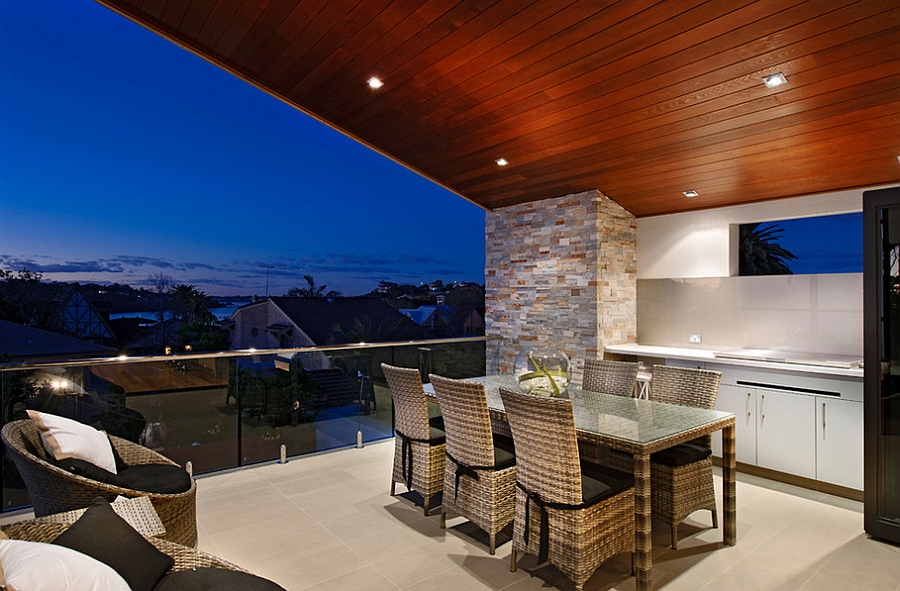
[(426, 503), (715, 519), (492, 545), (674, 536), (443, 519), (512, 561), (393, 487)]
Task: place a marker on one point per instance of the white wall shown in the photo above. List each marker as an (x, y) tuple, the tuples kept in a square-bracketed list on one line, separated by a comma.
[(696, 244)]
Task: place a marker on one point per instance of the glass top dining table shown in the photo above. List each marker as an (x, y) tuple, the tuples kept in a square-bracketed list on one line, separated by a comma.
[(639, 427)]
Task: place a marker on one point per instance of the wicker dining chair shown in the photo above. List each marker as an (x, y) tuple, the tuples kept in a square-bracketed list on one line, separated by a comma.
[(572, 513), (419, 447), (480, 475), (682, 476), (55, 490), (610, 377)]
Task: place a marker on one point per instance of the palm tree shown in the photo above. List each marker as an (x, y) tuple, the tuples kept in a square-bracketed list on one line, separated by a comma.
[(312, 290), (190, 303), (760, 254)]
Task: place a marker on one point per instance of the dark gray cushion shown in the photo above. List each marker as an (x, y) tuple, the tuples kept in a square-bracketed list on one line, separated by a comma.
[(681, 455), (155, 478), (152, 478), (86, 470), (504, 452), (215, 579), (103, 535), (600, 482), (436, 431)]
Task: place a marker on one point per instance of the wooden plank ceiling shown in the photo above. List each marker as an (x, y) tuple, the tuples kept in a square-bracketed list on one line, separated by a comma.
[(640, 99)]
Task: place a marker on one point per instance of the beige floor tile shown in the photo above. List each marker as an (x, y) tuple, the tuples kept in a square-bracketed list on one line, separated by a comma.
[(363, 579), (860, 563), (328, 522), (304, 569), (469, 577)]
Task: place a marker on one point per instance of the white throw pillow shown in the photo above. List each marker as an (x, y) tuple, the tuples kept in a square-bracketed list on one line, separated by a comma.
[(35, 566), (64, 438)]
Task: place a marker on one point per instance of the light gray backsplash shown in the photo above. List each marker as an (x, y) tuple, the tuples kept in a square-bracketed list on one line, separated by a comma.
[(805, 313)]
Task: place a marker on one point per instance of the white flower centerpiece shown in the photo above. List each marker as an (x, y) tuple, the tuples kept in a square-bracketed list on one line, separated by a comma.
[(542, 371)]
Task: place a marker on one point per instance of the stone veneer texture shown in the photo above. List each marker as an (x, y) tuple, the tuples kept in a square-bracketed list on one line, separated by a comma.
[(561, 272)]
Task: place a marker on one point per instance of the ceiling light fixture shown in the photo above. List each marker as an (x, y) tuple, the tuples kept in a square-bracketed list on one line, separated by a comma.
[(375, 83), (775, 80), (691, 194), (501, 161)]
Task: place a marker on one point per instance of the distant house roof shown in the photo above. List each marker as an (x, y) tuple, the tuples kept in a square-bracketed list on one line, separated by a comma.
[(424, 314), (82, 318), (155, 338), (317, 317), (27, 343)]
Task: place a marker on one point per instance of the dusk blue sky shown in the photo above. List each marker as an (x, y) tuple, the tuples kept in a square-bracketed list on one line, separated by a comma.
[(823, 244), (123, 156)]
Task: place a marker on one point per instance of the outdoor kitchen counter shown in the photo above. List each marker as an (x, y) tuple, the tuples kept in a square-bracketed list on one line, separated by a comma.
[(825, 365)]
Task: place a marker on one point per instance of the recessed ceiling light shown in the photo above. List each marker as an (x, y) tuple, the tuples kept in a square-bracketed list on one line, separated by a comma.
[(775, 80), (375, 82), (691, 194), (501, 161)]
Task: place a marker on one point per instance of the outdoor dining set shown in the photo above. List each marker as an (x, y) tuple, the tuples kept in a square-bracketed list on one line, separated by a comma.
[(578, 474)]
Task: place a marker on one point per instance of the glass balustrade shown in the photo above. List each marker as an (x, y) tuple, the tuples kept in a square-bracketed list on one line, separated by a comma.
[(230, 409)]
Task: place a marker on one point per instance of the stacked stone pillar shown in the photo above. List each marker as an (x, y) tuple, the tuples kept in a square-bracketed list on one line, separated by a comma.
[(560, 272)]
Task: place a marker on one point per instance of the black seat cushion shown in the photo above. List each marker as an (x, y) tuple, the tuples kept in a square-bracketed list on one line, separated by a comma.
[(600, 482), (153, 478), (504, 452), (681, 455), (102, 534), (215, 579), (436, 434), (156, 478)]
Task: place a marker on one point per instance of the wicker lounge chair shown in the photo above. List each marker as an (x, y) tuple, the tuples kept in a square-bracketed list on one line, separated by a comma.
[(480, 475), (573, 514), (185, 558), (419, 443), (55, 490), (610, 377), (681, 477)]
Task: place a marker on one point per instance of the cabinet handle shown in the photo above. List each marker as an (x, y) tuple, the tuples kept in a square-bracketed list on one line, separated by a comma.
[(823, 420), (762, 410), (747, 405)]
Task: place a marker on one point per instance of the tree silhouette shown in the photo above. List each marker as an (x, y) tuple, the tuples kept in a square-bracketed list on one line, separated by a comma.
[(312, 290), (760, 253), (22, 301), (190, 303)]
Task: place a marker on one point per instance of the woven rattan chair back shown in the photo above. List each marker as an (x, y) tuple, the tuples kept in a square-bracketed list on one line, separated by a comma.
[(678, 491), (547, 461), (687, 386), (466, 420), (610, 377), (418, 459), (410, 404), (54, 490)]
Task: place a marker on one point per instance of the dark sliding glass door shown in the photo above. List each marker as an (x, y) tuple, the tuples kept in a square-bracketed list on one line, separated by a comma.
[(881, 311)]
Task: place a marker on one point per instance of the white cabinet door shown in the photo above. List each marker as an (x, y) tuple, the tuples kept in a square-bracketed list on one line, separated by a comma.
[(741, 402), (839, 442), (786, 432)]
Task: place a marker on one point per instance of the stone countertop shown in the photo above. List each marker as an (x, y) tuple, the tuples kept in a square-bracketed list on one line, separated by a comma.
[(833, 365)]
